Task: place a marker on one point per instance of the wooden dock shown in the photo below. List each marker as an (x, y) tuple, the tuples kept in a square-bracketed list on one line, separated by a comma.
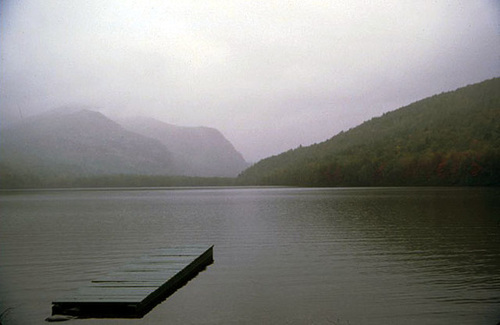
[(133, 290)]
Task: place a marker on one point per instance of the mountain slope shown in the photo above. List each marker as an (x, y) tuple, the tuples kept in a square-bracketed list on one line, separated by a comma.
[(448, 139), (199, 151), (80, 143)]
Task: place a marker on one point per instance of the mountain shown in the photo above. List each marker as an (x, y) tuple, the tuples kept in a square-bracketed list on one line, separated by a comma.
[(74, 142), (199, 151), (448, 139), (80, 143)]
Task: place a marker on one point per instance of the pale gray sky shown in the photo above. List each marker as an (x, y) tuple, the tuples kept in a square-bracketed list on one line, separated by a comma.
[(270, 75)]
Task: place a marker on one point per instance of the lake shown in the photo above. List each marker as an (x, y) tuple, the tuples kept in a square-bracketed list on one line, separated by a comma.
[(282, 255)]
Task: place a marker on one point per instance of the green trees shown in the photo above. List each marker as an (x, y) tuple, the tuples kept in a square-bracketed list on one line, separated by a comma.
[(447, 139), (23, 181)]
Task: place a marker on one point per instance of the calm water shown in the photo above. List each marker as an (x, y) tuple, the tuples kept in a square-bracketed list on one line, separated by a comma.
[(282, 255)]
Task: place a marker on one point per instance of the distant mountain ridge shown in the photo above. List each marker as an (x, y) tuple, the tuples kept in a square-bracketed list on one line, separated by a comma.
[(200, 151), (447, 139), (82, 142)]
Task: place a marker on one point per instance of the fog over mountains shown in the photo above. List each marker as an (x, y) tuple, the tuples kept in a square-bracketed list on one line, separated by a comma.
[(82, 142), (202, 151)]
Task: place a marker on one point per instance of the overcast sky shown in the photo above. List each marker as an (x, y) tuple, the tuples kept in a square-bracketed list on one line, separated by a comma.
[(270, 75)]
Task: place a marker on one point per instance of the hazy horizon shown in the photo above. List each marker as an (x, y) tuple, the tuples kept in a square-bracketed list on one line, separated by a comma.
[(270, 75)]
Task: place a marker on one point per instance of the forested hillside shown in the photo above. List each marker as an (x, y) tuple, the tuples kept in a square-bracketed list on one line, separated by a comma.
[(447, 139)]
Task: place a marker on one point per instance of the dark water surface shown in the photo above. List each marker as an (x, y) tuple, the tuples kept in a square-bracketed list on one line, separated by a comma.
[(282, 255)]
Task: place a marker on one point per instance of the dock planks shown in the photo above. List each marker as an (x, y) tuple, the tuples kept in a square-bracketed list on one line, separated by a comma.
[(133, 290)]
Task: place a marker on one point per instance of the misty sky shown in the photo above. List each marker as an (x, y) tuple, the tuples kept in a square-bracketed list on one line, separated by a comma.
[(270, 75)]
